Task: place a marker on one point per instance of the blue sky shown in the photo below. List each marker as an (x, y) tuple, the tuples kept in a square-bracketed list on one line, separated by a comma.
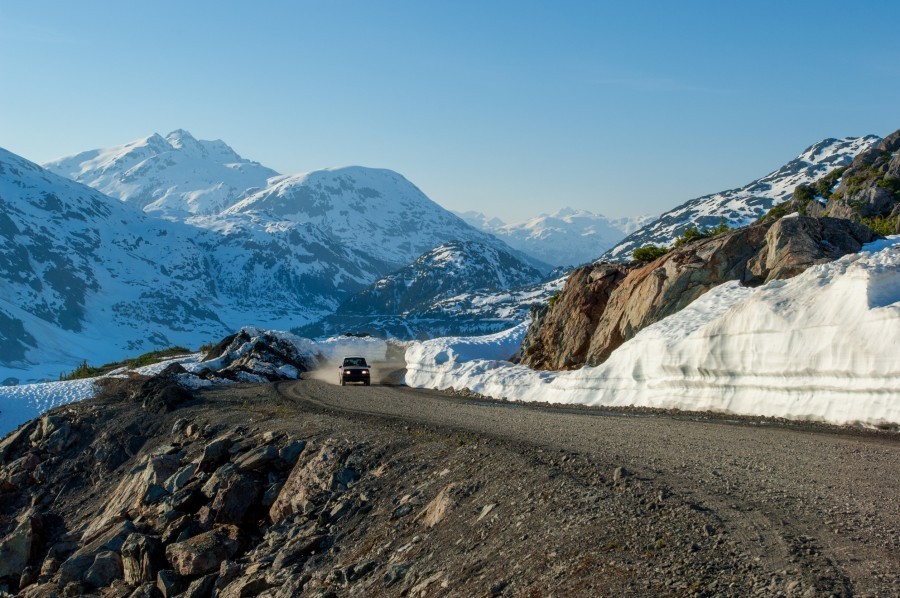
[(509, 108)]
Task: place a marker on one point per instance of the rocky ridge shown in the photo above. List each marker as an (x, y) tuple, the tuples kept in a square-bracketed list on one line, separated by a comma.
[(604, 305), (867, 191)]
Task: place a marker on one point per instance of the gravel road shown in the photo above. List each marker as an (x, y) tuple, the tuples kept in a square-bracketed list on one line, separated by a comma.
[(805, 507)]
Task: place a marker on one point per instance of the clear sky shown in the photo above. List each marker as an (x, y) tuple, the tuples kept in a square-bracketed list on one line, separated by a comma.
[(509, 108)]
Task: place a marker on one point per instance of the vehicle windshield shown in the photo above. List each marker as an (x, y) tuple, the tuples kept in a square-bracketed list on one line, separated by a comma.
[(354, 362)]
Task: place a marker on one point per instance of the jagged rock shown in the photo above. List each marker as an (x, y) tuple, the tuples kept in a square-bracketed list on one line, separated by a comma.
[(257, 458), (870, 186), (145, 590), (235, 498), (180, 478), (205, 552), (297, 549), (290, 452), (251, 585), (140, 559), (215, 453), (106, 568), (17, 547), (168, 583), (201, 588), (309, 482), (436, 510), (29, 576), (603, 305)]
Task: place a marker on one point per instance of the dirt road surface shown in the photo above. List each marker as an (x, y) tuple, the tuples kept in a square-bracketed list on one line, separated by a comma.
[(821, 503)]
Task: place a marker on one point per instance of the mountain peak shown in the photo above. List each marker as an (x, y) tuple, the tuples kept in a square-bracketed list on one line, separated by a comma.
[(181, 139)]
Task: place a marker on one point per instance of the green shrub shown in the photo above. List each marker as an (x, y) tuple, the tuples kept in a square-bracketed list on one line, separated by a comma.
[(692, 233), (648, 253), (883, 225), (82, 371), (552, 300), (88, 371)]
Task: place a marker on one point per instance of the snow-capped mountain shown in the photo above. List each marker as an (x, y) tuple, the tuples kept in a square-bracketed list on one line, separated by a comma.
[(746, 204), (375, 211), (565, 238), (454, 288), (86, 276), (176, 174)]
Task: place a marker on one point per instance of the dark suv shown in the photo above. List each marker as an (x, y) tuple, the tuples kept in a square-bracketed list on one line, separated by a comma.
[(355, 369)]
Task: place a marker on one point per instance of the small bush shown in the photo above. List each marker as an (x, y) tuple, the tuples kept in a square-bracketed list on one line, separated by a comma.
[(648, 253), (552, 300), (883, 225), (88, 371), (82, 371), (692, 233)]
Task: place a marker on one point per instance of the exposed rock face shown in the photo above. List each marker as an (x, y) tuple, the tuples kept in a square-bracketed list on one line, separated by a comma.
[(870, 187), (604, 305)]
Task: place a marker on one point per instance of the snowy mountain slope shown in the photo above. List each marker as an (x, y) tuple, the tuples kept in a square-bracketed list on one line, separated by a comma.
[(176, 174), (377, 212), (744, 205), (565, 238), (821, 346), (457, 288), (446, 271), (81, 269)]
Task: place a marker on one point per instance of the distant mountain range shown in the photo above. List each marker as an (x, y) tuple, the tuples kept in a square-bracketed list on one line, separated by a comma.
[(565, 238), (741, 206)]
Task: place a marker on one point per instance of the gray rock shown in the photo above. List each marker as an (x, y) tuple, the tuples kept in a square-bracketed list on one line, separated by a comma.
[(290, 452), (201, 588), (235, 498), (168, 583), (107, 567), (16, 548), (395, 573), (257, 458), (180, 478)]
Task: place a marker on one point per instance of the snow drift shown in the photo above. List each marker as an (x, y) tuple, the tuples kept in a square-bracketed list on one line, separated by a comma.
[(822, 346)]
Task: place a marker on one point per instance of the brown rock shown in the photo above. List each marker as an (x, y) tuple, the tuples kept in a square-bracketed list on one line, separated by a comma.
[(205, 552), (257, 458)]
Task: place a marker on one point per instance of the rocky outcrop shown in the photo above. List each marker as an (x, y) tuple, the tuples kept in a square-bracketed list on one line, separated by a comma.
[(604, 305), (867, 191)]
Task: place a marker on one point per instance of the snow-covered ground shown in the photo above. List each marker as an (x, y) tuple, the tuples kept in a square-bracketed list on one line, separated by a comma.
[(19, 404), (822, 346)]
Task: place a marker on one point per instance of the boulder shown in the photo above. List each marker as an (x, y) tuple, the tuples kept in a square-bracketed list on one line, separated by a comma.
[(140, 559), (106, 568), (256, 458), (17, 547), (205, 552), (235, 498), (310, 482)]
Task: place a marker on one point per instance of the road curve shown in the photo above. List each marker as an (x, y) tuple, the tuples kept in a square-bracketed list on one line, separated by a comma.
[(826, 498)]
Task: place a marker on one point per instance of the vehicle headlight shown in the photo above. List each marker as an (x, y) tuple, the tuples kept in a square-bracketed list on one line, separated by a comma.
[(347, 372), (365, 371)]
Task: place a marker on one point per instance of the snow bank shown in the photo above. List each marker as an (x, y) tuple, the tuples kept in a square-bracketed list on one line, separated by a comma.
[(822, 346)]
